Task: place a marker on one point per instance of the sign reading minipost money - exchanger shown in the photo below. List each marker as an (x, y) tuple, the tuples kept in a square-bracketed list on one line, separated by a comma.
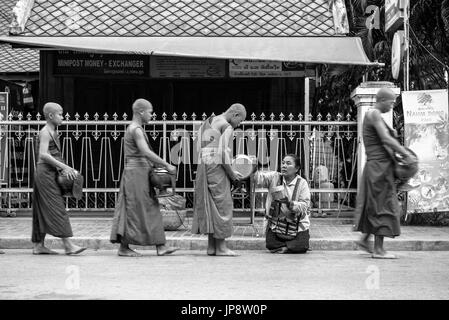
[(74, 63)]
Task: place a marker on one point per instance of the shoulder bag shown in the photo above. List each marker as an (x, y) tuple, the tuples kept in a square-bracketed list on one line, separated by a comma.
[(283, 227)]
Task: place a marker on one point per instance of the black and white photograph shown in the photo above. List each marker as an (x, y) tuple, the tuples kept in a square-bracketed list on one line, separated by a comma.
[(224, 154)]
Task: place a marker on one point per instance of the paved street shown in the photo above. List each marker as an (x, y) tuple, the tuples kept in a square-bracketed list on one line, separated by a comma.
[(190, 274)]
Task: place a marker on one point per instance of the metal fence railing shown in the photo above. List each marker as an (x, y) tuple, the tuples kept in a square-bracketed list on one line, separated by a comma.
[(94, 145)]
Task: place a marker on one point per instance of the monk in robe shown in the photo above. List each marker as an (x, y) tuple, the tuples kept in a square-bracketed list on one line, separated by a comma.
[(213, 204), (377, 203), (49, 213), (137, 217)]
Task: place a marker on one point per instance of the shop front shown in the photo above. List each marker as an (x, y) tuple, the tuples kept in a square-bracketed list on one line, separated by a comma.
[(109, 83), (189, 57)]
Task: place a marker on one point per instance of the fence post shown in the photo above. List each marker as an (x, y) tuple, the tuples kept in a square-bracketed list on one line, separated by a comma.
[(306, 128)]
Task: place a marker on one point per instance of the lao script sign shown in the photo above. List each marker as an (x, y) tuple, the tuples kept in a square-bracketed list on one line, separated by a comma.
[(264, 68), (179, 67)]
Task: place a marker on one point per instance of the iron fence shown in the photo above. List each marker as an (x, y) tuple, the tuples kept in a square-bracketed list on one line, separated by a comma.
[(93, 145)]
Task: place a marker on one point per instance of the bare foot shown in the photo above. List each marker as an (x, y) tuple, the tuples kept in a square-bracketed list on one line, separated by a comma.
[(43, 250), (364, 245), (221, 249), (226, 253), (74, 250), (211, 245), (211, 249), (383, 255), (163, 250), (280, 250), (128, 253)]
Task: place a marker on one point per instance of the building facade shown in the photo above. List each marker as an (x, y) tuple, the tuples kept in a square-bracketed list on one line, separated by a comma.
[(190, 59)]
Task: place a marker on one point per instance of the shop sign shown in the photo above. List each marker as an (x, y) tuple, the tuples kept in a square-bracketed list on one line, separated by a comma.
[(80, 63), (427, 134), (178, 67), (266, 69), (394, 14)]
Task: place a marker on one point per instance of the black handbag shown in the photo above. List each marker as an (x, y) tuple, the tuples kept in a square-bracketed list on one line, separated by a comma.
[(282, 226)]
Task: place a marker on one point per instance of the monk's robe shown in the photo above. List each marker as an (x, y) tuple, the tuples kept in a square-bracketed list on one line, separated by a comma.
[(378, 208), (49, 213), (137, 216), (213, 204)]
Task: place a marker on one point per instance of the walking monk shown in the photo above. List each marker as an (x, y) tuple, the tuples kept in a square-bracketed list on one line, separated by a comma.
[(137, 218), (377, 202), (213, 204), (49, 213)]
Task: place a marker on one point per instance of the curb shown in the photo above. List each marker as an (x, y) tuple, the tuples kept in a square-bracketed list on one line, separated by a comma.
[(240, 243)]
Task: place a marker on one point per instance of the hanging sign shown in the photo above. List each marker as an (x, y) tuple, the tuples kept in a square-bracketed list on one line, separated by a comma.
[(427, 134), (394, 14), (266, 69), (178, 67), (81, 63)]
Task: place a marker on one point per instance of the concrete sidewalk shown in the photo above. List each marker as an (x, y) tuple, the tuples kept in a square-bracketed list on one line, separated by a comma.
[(326, 234)]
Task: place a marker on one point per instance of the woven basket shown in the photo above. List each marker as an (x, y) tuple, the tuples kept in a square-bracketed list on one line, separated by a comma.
[(173, 219)]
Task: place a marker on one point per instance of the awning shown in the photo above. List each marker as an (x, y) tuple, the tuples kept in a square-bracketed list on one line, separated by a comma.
[(316, 50)]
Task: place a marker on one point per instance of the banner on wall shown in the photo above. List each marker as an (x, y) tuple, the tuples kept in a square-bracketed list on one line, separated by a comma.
[(427, 134)]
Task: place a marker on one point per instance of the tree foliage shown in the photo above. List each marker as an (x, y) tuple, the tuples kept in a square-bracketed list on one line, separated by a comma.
[(429, 52), (429, 56)]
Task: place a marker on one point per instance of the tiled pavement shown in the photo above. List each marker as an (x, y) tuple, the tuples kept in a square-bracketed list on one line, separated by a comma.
[(326, 234)]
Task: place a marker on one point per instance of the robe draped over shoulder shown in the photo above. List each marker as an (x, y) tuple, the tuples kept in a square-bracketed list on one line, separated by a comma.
[(49, 213), (137, 217), (213, 204), (377, 203)]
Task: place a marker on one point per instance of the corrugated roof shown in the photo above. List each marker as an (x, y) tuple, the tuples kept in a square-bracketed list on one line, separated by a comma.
[(14, 60), (176, 18)]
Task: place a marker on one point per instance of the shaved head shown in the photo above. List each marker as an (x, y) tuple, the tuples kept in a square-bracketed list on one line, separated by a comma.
[(51, 107), (235, 114), (385, 94), (141, 105), (237, 108)]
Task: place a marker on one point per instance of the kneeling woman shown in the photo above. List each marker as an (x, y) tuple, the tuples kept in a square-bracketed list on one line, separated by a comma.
[(287, 229)]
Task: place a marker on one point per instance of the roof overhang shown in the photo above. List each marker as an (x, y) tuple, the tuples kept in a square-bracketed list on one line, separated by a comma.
[(313, 50)]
